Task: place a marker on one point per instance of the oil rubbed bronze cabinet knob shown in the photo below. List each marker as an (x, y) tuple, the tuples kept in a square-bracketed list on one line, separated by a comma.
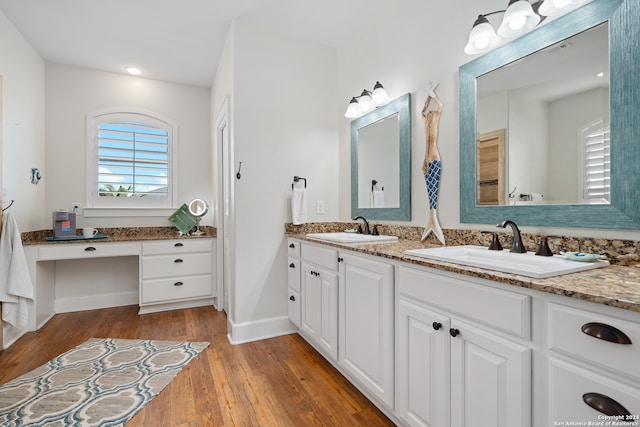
[(178, 261), (454, 332), (178, 245), (605, 332), (436, 325), (292, 265), (291, 245), (292, 298)]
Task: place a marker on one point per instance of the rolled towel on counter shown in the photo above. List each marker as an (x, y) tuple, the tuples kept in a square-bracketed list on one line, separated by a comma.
[(16, 288), (298, 206)]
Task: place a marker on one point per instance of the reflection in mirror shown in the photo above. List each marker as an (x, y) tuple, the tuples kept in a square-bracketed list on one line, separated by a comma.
[(553, 107), (621, 212), (381, 162)]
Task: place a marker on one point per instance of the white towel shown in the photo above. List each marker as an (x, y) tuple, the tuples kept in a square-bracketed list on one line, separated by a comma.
[(299, 206), (378, 198), (16, 288)]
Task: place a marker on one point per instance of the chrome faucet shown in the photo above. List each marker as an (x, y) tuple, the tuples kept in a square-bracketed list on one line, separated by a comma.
[(366, 223), (517, 245)]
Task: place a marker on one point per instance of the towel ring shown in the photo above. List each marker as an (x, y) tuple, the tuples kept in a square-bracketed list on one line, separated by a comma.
[(10, 204), (297, 179)]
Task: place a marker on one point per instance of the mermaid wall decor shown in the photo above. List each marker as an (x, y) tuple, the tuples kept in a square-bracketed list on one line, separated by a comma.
[(432, 165)]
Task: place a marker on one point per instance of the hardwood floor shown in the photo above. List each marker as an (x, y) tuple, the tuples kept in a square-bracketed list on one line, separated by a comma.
[(280, 381)]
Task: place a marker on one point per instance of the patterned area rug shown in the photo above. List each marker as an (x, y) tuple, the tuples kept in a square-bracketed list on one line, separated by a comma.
[(103, 382)]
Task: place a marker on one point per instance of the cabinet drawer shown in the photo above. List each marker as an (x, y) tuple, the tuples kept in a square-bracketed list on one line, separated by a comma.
[(87, 250), (566, 335), (504, 310), (154, 291), (570, 383), (294, 307), (175, 265), (320, 256), (293, 248), (293, 272), (161, 247)]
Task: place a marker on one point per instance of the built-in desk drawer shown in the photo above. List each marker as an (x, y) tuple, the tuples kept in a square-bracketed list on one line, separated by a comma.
[(172, 289), (175, 265), (87, 250), (162, 247)]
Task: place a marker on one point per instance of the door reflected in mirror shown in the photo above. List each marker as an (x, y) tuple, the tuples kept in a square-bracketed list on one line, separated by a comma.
[(554, 108)]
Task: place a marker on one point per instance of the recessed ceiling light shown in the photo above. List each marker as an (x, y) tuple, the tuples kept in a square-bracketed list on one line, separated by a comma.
[(134, 71)]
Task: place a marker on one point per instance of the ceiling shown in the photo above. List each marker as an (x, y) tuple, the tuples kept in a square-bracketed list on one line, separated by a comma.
[(172, 40)]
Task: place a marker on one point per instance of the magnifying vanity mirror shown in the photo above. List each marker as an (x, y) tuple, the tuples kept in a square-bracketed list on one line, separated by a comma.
[(381, 162), (198, 208), (533, 111)]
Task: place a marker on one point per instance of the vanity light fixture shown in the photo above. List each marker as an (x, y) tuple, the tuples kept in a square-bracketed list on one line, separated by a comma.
[(519, 18), (367, 100)]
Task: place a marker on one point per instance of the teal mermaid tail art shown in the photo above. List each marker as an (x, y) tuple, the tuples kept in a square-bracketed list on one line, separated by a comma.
[(432, 165)]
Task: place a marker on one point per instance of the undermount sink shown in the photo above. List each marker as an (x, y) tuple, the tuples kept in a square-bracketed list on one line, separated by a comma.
[(527, 264), (342, 237)]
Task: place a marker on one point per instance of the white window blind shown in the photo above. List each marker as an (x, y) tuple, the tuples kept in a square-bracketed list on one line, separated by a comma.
[(596, 163), (133, 160)]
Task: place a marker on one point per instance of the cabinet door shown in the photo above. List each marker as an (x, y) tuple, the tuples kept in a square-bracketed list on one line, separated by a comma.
[(423, 366), (490, 379), (320, 307), (366, 324)]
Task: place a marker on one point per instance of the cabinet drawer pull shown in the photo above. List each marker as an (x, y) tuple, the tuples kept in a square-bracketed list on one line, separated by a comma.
[(292, 298), (178, 245), (178, 261), (89, 249), (291, 245), (605, 332), (292, 265), (454, 332), (604, 404), (178, 284), (436, 325)]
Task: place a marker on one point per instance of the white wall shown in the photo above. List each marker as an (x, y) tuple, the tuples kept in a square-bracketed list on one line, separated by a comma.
[(405, 45), (285, 119), (23, 129), (73, 92)]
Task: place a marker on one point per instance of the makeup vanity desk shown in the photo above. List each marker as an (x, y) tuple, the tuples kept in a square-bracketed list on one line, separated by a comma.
[(148, 266)]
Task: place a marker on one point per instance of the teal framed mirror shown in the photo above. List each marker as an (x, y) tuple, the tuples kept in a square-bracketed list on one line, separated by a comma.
[(622, 211), (381, 162)]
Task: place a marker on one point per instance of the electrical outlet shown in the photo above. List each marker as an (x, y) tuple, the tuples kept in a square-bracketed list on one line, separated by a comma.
[(77, 208), (320, 207)]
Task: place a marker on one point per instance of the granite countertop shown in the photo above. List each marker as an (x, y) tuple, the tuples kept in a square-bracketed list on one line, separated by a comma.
[(117, 234), (616, 285)]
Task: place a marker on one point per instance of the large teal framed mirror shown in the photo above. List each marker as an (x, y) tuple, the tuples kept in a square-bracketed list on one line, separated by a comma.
[(381, 162), (621, 209)]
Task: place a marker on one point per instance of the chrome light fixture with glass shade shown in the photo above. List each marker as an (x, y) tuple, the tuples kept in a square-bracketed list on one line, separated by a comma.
[(367, 101), (520, 17)]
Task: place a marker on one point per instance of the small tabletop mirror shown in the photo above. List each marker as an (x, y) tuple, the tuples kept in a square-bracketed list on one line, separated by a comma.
[(198, 208)]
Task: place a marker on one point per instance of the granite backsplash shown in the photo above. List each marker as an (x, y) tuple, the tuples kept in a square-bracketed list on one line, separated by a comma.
[(618, 252)]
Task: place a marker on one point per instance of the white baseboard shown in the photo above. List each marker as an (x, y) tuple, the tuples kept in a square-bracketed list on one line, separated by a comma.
[(240, 333), (94, 302)]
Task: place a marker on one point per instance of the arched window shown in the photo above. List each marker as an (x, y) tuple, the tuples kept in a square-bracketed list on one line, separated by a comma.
[(131, 160)]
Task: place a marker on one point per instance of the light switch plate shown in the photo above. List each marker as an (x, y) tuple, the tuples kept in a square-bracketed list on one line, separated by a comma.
[(320, 207)]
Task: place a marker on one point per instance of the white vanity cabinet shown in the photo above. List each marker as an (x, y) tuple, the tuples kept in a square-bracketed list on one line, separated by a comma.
[(293, 281), (457, 365), (366, 343), (594, 365), (319, 286), (176, 274)]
